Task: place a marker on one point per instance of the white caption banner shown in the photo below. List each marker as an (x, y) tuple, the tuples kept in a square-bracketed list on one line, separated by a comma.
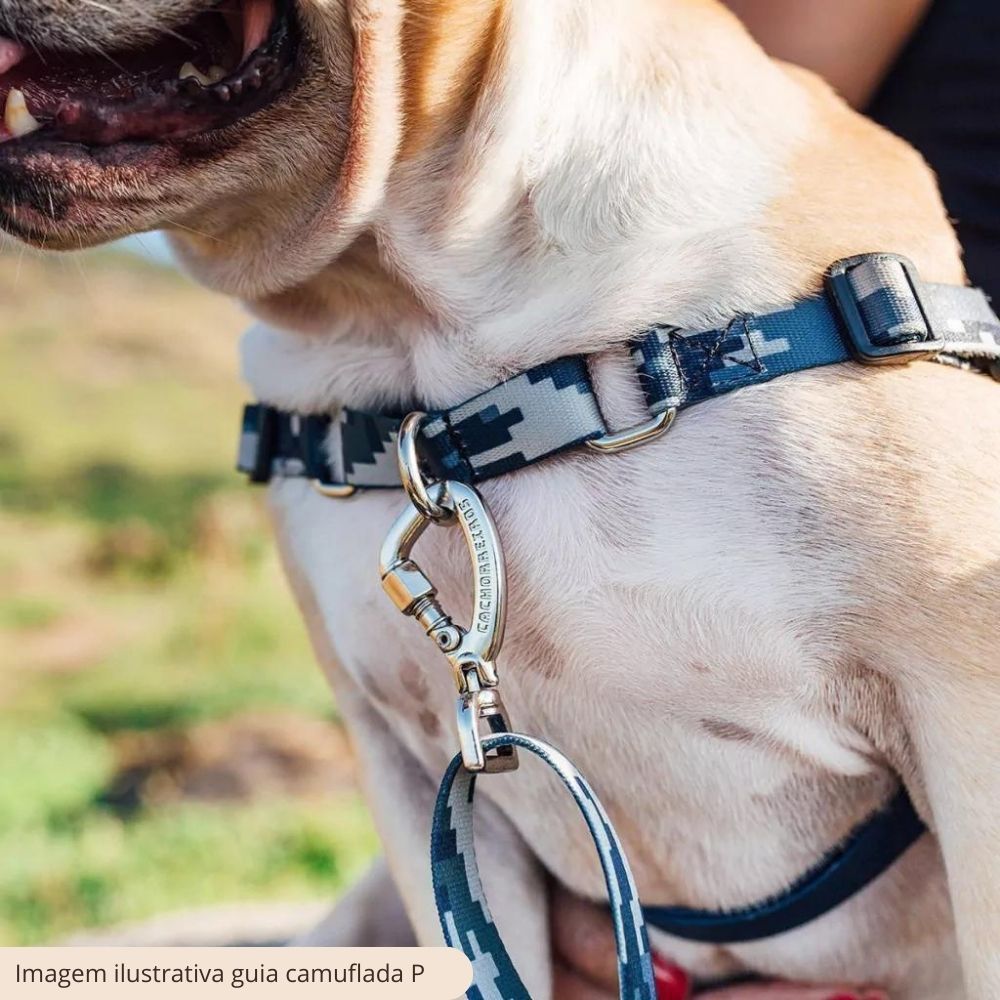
[(256, 973)]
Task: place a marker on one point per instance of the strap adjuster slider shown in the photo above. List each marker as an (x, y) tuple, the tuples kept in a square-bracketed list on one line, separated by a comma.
[(884, 342)]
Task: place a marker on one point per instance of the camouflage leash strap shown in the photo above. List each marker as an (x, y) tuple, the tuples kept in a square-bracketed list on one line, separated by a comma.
[(462, 907), (485, 739)]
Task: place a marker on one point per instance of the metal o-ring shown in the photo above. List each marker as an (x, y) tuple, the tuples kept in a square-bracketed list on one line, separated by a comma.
[(409, 470)]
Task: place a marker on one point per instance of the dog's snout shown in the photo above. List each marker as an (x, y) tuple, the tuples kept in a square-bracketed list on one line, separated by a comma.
[(83, 26)]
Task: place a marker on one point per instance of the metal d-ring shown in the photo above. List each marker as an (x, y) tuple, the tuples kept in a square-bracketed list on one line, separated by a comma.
[(634, 436), (410, 472), (334, 491)]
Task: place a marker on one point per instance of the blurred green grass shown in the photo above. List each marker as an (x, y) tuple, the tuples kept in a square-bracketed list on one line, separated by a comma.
[(139, 592)]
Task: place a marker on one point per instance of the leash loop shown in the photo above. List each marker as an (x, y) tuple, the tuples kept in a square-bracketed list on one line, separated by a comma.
[(461, 903), (411, 474), (472, 651)]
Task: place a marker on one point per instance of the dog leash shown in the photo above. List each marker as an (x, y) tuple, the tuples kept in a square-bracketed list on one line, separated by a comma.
[(487, 745), (464, 913), (875, 311)]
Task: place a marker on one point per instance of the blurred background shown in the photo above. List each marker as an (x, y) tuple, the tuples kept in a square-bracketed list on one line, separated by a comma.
[(167, 741)]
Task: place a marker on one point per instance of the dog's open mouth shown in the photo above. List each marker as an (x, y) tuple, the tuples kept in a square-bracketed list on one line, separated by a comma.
[(226, 64)]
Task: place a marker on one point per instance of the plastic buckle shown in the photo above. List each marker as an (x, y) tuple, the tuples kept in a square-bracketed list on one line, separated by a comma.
[(856, 333)]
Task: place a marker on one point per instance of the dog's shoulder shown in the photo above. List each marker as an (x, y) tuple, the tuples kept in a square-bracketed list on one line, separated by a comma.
[(854, 187)]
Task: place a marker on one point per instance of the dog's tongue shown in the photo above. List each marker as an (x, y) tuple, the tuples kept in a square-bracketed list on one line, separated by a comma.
[(10, 54), (258, 16)]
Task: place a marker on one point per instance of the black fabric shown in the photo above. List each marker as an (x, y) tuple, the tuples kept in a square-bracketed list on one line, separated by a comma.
[(866, 855), (943, 96)]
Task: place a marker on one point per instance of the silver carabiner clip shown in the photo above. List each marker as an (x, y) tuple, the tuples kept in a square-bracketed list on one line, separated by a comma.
[(478, 711), (471, 651)]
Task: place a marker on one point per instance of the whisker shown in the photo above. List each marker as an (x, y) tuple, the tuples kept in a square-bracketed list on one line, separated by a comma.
[(87, 283), (138, 14), (196, 232)]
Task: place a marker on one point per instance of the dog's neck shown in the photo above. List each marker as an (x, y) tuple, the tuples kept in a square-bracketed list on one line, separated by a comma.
[(567, 174)]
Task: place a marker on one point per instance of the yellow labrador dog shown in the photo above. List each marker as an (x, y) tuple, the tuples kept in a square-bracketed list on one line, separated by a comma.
[(742, 633)]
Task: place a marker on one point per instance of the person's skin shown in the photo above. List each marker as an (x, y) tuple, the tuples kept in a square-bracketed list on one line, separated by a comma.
[(852, 43)]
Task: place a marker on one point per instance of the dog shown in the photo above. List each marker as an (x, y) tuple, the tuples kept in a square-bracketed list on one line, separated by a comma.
[(742, 633)]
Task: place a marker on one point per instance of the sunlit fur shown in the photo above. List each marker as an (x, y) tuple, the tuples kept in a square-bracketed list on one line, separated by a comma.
[(741, 632)]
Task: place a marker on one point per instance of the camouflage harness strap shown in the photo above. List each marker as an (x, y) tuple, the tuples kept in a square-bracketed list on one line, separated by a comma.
[(464, 913), (875, 311)]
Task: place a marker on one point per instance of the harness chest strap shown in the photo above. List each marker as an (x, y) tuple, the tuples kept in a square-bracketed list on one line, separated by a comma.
[(875, 311)]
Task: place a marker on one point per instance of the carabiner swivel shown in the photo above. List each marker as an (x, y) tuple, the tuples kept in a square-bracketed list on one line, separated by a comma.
[(472, 652)]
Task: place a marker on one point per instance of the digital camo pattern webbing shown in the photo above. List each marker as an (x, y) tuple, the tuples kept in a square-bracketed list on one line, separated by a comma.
[(362, 449), (518, 422), (527, 418), (553, 407), (679, 368), (541, 412), (465, 916)]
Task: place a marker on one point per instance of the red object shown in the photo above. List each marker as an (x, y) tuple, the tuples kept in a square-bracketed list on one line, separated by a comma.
[(672, 982)]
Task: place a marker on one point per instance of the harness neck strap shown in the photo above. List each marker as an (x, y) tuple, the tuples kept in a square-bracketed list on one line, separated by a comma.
[(874, 311)]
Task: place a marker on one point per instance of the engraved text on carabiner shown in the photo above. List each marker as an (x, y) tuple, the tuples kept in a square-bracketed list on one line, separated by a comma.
[(471, 651)]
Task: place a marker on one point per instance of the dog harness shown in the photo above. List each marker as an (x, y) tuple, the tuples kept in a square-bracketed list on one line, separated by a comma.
[(874, 310)]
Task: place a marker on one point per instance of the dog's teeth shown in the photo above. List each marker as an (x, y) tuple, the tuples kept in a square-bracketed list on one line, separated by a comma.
[(16, 116), (191, 72), (217, 73)]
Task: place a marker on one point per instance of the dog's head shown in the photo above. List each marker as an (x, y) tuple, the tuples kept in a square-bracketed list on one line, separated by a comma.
[(267, 135), (249, 128)]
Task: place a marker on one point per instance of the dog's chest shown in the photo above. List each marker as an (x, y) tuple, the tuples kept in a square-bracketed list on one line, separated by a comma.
[(676, 637)]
